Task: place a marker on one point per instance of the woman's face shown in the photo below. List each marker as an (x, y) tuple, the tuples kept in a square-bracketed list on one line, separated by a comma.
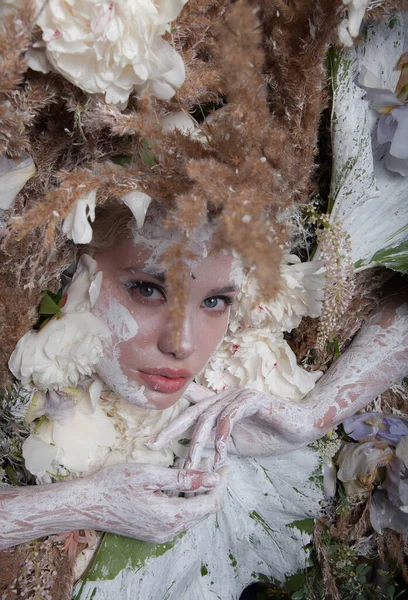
[(145, 365)]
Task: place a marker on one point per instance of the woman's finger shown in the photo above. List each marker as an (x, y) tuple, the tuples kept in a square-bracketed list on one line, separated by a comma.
[(183, 480), (180, 424), (247, 405), (199, 507), (203, 430)]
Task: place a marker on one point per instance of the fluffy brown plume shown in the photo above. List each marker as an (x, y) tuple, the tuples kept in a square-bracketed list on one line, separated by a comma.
[(257, 160)]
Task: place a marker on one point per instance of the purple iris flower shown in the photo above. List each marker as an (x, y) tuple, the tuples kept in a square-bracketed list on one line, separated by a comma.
[(374, 424)]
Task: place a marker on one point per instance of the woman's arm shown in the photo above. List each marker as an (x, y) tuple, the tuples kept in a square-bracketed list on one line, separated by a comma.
[(123, 499), (259, 424)]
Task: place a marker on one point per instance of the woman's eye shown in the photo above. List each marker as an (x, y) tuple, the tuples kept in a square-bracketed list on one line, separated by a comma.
[(218, 303), (146, 290)]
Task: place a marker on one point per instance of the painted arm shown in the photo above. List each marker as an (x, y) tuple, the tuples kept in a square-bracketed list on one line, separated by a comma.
[(254, 424), (123, 499)]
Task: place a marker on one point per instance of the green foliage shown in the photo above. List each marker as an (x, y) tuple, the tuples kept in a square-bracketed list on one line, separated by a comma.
[(50, 306), (13, 432)]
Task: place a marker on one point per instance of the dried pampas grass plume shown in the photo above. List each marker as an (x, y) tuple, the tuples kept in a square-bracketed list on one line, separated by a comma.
[(256, 163)]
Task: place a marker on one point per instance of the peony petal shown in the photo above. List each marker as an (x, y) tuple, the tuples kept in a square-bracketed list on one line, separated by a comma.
[(81, 288), (14, 173), (38, 455), (138, 202), (179, 120)]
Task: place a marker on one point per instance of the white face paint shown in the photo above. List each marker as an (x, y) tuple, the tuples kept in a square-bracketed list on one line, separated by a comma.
[(145, 365), (123, 328)]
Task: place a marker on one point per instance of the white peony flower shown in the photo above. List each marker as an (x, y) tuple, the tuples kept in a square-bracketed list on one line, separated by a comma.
[(259, 360), (301, 294), (78, 445), (110, 47), (77, 225), (14, 173), (134, 426), (70, 344), (103, 430)]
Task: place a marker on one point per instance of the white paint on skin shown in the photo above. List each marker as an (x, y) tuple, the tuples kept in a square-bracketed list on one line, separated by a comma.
[(123, 327)]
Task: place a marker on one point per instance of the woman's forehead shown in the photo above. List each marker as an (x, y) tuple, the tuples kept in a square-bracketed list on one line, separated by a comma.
[(130, 256)]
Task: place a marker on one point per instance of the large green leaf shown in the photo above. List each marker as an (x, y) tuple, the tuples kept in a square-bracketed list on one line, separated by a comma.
[(260, 534)]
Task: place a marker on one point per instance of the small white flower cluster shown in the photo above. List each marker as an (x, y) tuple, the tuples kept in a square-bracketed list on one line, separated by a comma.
[(110, 48), (335, 248), (68, 347), (255, 354)]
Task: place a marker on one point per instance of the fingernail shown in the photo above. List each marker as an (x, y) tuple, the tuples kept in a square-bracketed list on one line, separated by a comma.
[(151, 442), (210, 480)]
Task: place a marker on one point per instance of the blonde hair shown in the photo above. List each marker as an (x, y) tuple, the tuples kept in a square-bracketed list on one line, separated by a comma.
[(113, 221)]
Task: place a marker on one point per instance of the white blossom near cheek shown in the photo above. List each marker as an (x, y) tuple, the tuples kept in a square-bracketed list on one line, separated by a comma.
[(259, 360), (77, 225), (300, 295), (14, 174), (68, 347), (61, 352), (109, 47)]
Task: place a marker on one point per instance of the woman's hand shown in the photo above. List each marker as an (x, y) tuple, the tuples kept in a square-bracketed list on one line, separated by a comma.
[(258, 424), (123, 499), (134, 503), (215, 418)]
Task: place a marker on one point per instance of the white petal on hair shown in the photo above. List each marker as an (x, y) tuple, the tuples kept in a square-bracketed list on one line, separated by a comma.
[(138, 202), (77, 226), (14, 173)]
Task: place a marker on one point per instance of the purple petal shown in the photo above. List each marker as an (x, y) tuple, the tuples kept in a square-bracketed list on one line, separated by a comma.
[(58, 406), (369, 424), (396, 165), (386, 128), (399, 144), (384, 514)]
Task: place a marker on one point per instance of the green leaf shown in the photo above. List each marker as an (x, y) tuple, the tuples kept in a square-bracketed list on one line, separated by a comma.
[(122, 159), (49, 304), (304, 525), (117, 552), (390, 591), (149, 158), (298, 595)]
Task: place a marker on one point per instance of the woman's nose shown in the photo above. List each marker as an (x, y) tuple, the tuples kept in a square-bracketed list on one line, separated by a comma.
[(182, 344)]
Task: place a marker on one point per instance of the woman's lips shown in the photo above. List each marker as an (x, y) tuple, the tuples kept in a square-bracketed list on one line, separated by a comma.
[(165, 380)]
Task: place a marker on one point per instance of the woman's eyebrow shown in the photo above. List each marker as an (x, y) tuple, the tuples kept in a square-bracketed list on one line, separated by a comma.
[(224, 290), (158, 274)]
